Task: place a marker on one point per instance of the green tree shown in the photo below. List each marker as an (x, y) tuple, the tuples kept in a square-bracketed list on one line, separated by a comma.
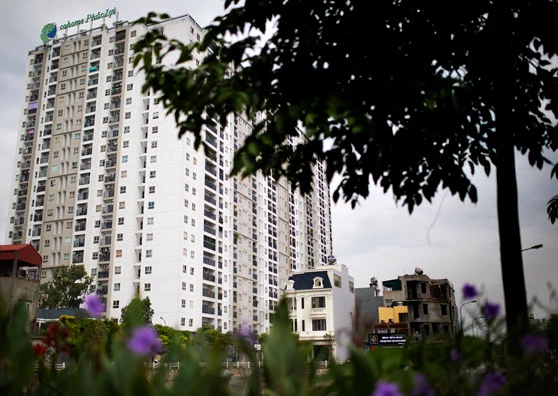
[(67, 288), (137, 313), (411, 95)]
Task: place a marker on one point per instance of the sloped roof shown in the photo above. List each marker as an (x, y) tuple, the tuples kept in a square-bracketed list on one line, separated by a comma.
[(49, 314), (26, 254), (305, 281)]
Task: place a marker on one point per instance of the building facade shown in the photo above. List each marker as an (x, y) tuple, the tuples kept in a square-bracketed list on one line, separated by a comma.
[(103, 181), (321, 308), (426, 305)]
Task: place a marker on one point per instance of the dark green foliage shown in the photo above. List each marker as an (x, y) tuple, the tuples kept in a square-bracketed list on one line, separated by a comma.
[(137, 313), (67, 288), (287, 368), (351, 72)]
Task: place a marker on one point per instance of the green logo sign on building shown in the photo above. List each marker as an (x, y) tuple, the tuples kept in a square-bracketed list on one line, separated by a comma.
[(48, 32)]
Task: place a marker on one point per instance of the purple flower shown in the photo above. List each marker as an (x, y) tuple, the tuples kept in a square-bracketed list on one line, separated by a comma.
[(94, 305), (490, 311), (491, 383), (145, 341), (384, 388), (455, 355), (534, 343), (469, 291), (421, 386)]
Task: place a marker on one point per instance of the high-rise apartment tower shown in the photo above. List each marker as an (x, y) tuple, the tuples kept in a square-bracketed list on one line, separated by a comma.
[(103, 181)]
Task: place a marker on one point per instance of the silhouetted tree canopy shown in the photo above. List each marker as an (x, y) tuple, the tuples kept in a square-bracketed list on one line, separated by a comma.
[(410, 95)]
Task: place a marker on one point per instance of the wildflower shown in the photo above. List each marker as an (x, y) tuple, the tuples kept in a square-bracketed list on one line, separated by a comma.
[(534, 343), (56, 337), (39, 350), (384, 388), (455, 355), (490, 311), (421, 386), (469, 291), (491, 383), (94, 305), (145, 341)]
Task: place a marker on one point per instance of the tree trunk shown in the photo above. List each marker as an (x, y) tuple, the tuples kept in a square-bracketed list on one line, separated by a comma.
[(506, 184)]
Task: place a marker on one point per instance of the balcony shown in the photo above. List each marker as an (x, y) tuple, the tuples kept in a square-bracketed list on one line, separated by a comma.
[(208, 310), (108, 194), (80, 227), (209, 261), (208, 277), (210, 215), (208, 293), (104, 257), (105, 225), (102, 275)]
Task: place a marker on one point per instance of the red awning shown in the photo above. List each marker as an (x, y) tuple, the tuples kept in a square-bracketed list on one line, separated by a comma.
[(26, 254)]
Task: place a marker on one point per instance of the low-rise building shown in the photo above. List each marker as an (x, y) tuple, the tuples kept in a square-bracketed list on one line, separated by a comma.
[(20, 267), (430, 302), (322, 304)]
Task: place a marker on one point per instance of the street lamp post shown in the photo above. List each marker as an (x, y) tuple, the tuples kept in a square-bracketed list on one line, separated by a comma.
[(540, 245), (163, 319), (461, 312)]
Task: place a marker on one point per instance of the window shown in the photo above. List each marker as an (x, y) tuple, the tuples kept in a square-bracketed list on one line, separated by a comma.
[(153, 159), (127, 115), (119, 253), (318, 302), (123, 174), (423, 287), (151, 205), (186, 219), (116, 304), (154, 144), (302, 303), (122, 205), (133, 33), (318, 282), (183, 303), (129, 87), (96, 239), (192, 254), (319, 325), (122, 189), (155, 129), (183, 285), (124, 158), (128, 101), (425, 309), (149, 253), (130, 73), (191, 287), (148, 270), (117, 287), (125, 143), (147, 287), (117, 270), (444, 309), (126, 129), (150, 221), (191, 322), (337, 280), (152, 174), (149, 237), (155, 115), (151, 189), (191, 270), (184, 268), (182, 321), (119, 237), (120, 220), (303, 325)]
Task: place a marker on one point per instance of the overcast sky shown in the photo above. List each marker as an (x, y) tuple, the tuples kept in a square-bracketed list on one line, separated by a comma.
[(447, 239)]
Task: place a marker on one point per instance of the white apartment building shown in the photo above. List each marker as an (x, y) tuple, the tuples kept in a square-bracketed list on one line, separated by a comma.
[(103, 181), (321, 306)]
